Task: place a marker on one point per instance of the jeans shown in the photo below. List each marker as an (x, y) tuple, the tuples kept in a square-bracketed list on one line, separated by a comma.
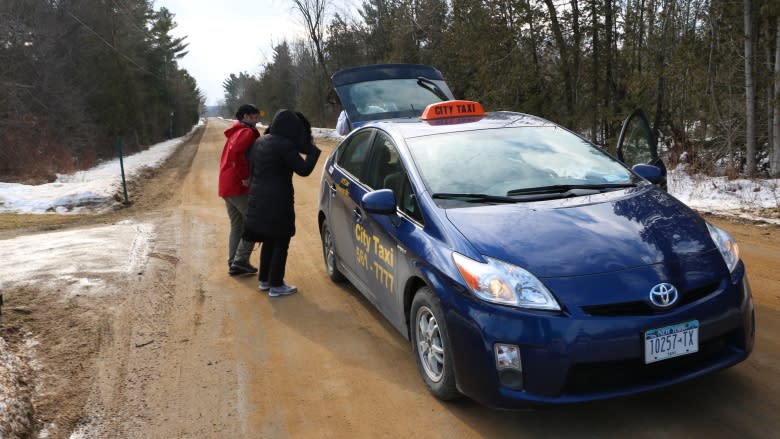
[(238, 249)]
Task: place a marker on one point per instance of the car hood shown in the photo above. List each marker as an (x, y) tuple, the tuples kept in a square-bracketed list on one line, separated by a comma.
[(586, 235)]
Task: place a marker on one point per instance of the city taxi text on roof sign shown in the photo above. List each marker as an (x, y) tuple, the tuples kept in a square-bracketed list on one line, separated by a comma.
[(452, 109)]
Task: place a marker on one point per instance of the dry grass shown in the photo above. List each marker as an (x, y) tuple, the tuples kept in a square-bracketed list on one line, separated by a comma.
[(10, 221)]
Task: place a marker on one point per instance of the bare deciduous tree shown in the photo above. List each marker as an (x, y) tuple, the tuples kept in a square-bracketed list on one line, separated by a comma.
[(313, 15)]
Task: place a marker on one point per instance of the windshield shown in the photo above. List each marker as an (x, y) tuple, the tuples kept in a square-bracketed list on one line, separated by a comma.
[(391, 98), (528, 162)]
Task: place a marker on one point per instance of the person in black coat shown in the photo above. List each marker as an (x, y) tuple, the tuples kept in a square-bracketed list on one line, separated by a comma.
[(271, 215)]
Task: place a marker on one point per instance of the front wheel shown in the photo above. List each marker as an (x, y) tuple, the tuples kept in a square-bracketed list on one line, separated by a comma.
[(329, 253), (431, 345)]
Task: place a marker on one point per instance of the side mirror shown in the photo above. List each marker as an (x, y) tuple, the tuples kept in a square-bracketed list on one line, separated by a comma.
[(651, 173), (381, 202)]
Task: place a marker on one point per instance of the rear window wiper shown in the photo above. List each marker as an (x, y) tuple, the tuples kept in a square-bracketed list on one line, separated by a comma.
[(432, 87), (474, 198), (570, 189)]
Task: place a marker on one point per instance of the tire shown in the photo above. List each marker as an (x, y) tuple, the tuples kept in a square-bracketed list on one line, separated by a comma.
[(329, 253), (431, 345)]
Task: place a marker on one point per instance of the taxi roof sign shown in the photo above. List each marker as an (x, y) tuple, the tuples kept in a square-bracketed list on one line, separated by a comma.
[(454, 108)]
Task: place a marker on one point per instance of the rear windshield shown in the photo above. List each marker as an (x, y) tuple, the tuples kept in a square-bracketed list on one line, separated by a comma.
[(505, 160), (390, 98)]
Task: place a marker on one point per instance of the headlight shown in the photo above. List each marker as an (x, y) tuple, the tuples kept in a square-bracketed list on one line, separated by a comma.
[(726, 244), (503, 283)]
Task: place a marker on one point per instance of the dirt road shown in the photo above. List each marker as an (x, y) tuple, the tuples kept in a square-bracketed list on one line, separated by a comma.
[(191, 352)]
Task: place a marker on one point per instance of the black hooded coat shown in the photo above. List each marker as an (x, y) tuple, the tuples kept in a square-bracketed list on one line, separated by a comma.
[(274, 157)]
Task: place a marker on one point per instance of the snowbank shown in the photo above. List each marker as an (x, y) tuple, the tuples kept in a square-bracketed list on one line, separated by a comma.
[(93, 190), (88, 190)]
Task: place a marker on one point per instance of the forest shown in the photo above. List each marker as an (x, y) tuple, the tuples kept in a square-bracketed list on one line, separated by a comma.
[(79, 78), (707, 72)]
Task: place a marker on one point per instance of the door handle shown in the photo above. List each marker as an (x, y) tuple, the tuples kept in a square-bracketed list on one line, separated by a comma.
[(358, 215), (332, 188)]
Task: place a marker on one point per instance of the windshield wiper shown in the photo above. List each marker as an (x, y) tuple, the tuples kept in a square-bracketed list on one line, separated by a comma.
[(474, 198), (570, 189), (534, 193), (432, 87)]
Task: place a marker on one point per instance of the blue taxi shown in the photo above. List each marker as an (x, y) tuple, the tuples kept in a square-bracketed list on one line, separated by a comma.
[(525, 265)]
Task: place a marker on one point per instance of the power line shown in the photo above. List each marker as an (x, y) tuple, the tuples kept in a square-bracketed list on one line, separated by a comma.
[(110, 46), (126, 10)]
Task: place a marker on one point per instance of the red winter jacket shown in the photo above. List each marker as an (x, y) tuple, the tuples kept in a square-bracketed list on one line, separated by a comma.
[(233, 166)]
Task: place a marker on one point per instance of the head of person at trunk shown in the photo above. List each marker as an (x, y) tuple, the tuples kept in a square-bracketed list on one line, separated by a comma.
[(248, 114), (271, 216)]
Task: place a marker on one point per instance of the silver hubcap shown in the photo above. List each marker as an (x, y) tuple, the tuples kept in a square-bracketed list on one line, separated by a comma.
[(330, 256), (429, 345)]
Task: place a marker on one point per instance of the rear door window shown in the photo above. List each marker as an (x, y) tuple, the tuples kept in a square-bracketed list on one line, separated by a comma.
[(353, 154)]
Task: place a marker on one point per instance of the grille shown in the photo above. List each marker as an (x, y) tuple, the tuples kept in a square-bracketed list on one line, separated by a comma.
[(643, 308)]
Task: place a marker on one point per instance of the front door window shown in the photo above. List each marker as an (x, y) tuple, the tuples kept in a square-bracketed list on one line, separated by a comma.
[(637, 143), (638, 146)]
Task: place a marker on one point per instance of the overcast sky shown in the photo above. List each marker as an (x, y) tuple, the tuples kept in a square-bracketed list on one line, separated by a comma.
[(230, 37)]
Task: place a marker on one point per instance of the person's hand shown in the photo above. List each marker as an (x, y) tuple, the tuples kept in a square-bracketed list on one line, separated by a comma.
[(245, 182), (306, 147)]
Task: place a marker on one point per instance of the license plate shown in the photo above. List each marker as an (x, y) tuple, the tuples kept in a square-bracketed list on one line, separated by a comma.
[(671, 341)]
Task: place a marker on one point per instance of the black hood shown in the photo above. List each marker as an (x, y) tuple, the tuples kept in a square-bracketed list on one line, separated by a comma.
[(287, 124)]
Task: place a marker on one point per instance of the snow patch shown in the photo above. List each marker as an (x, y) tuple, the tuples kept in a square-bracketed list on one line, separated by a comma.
[(76, 261), (326, 133), (84, 191), (703, 192), (15, 394)]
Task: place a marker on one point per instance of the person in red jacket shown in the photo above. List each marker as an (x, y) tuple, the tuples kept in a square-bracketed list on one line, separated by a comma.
[(234, 185)]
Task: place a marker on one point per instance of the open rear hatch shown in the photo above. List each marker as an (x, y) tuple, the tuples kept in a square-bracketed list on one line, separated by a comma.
[(388, 91)]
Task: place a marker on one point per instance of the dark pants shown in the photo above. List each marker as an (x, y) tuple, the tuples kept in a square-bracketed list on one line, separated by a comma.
[(273, 258)]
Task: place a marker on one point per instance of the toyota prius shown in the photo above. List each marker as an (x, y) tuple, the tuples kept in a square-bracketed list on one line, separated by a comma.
[(525, 265)]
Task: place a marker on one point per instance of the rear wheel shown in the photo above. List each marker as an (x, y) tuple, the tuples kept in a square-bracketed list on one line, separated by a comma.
[(329, 253), (431, 345)]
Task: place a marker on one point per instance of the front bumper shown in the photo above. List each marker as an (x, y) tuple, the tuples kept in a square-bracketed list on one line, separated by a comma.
[(574, 357)]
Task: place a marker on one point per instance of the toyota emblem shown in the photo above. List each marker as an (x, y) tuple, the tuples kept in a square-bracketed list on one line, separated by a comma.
[(663, 295)]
